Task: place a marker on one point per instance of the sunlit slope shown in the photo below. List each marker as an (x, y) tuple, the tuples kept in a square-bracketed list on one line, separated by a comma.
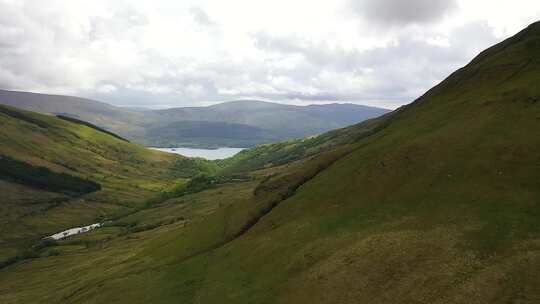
[(114, 176), (441, 206), (62, 146)]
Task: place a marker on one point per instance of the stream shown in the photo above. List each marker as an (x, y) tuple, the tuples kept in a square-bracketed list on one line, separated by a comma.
[(74, 231)]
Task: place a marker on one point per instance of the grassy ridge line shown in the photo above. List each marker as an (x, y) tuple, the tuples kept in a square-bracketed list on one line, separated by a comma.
[(85, 123), (281, 153), (10, 111)]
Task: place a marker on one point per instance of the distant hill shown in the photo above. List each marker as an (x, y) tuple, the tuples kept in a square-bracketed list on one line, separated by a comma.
[(276, 121), (208, 134), (261, 122), (118, 120), (289, 120)]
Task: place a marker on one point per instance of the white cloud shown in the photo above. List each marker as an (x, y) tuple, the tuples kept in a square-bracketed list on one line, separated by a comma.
[(166, 52)]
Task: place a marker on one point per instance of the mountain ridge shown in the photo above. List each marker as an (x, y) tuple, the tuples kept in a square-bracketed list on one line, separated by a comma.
[(144, 126)]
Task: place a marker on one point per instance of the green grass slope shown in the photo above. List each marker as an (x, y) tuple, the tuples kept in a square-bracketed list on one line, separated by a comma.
[(285, 152), (57, 174), (116, 119), (132, 259), (441, 205)]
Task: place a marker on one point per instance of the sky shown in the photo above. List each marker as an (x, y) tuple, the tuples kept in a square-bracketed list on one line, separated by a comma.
[(167, 53)]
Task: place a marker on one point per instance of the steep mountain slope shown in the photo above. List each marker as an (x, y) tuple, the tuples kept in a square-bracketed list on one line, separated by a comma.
[(439, 203), (440, 206)]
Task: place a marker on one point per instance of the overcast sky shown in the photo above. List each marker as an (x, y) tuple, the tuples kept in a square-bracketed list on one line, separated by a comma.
[(164, 53)]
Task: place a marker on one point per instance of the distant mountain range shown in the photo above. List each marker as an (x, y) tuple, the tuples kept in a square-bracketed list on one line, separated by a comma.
[(242, 123)]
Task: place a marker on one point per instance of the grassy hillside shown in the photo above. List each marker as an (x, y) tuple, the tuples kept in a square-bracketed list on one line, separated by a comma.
[(141, 250), (285, 152), (439, 204), (115, 119), (56, 174)]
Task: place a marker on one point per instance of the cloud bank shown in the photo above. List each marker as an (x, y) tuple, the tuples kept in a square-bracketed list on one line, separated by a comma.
[(168, 53)]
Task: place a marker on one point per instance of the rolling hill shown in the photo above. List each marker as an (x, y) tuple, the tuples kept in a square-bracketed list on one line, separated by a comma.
[(308, 120), (438, 202), (119, 120), (56, 173), (244, 123)]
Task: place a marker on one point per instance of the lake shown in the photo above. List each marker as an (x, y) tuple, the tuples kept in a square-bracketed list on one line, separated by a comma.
[(211, 154)]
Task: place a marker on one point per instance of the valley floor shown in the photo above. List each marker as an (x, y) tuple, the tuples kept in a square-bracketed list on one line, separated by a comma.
[(133, 247)]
